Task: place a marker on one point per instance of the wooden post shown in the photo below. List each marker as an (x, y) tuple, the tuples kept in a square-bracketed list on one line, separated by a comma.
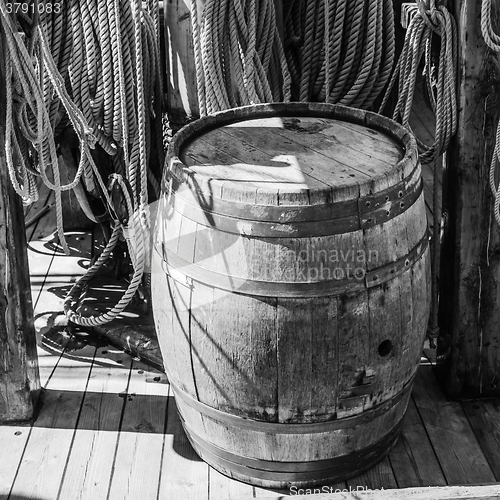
[(19, 379), (182, 94), (469, 348)]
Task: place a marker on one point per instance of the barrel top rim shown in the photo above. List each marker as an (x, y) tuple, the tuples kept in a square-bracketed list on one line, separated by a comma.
[(403, 168)]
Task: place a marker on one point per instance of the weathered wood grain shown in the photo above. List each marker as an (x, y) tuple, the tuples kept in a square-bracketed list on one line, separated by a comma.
[(141, 435), (484, 417), (13, 439), (93, 448), (19, 378), (44, 460), (376, 478), (223, 487), (413, 459), (460, 456), (468, 350)]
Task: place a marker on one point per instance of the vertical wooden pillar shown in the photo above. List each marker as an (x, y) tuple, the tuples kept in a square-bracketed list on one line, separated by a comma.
[(182, 94), (19, 380), (469, 348)]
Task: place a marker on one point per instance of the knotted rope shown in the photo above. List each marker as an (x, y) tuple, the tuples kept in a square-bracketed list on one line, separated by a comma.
[(432, 17)]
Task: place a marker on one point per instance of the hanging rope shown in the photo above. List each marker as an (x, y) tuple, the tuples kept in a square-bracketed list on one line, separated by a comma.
[(333, 51), (492, 40), (239, 56), (94, 65), (442, 90), (340, 52), (432, 18)]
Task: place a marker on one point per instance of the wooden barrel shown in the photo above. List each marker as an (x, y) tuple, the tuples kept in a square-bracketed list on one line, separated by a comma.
[(290, 284)]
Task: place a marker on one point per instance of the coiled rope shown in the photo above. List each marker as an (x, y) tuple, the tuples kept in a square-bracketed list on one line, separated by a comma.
[(333, 51), (94, 65), (432, 17), (492, 40), (340, 52), (239, 56)]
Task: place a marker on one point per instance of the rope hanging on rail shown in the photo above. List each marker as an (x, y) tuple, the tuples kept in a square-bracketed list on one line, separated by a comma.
[(93, 65), (239, 55), (432, 18), (333, 51), (492, 40)]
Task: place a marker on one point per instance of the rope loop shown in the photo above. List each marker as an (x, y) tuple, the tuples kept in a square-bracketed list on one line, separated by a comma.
[(492, 40), (441, 88), (95, 67)]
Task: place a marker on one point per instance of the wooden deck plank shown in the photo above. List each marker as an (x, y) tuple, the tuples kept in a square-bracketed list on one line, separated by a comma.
[(51, 275), (141, 435), (44, 459), (378, 477), (90, 461), (13, 439), (222, 487), (413, 459), (459, 454), (37, 237), (184, 475), (40, 260), (484, 417)]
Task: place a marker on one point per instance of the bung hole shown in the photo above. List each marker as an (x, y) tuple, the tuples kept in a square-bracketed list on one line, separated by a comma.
[(385, 348)]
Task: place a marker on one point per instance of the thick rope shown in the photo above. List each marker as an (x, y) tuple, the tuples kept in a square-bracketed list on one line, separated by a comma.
[(94, 65), (492, 40), (238, 54), (332, 50), (347, 51)]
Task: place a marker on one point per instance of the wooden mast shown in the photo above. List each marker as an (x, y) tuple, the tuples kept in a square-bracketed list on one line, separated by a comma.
[(469, 347), (19, 379)]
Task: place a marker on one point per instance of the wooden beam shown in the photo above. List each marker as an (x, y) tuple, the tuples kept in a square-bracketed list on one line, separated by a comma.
[(19, 379), (487, 492), (469, 347), (182, 93)]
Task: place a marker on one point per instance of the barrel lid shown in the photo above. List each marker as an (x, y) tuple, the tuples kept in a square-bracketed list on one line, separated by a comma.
[(294, 154)]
